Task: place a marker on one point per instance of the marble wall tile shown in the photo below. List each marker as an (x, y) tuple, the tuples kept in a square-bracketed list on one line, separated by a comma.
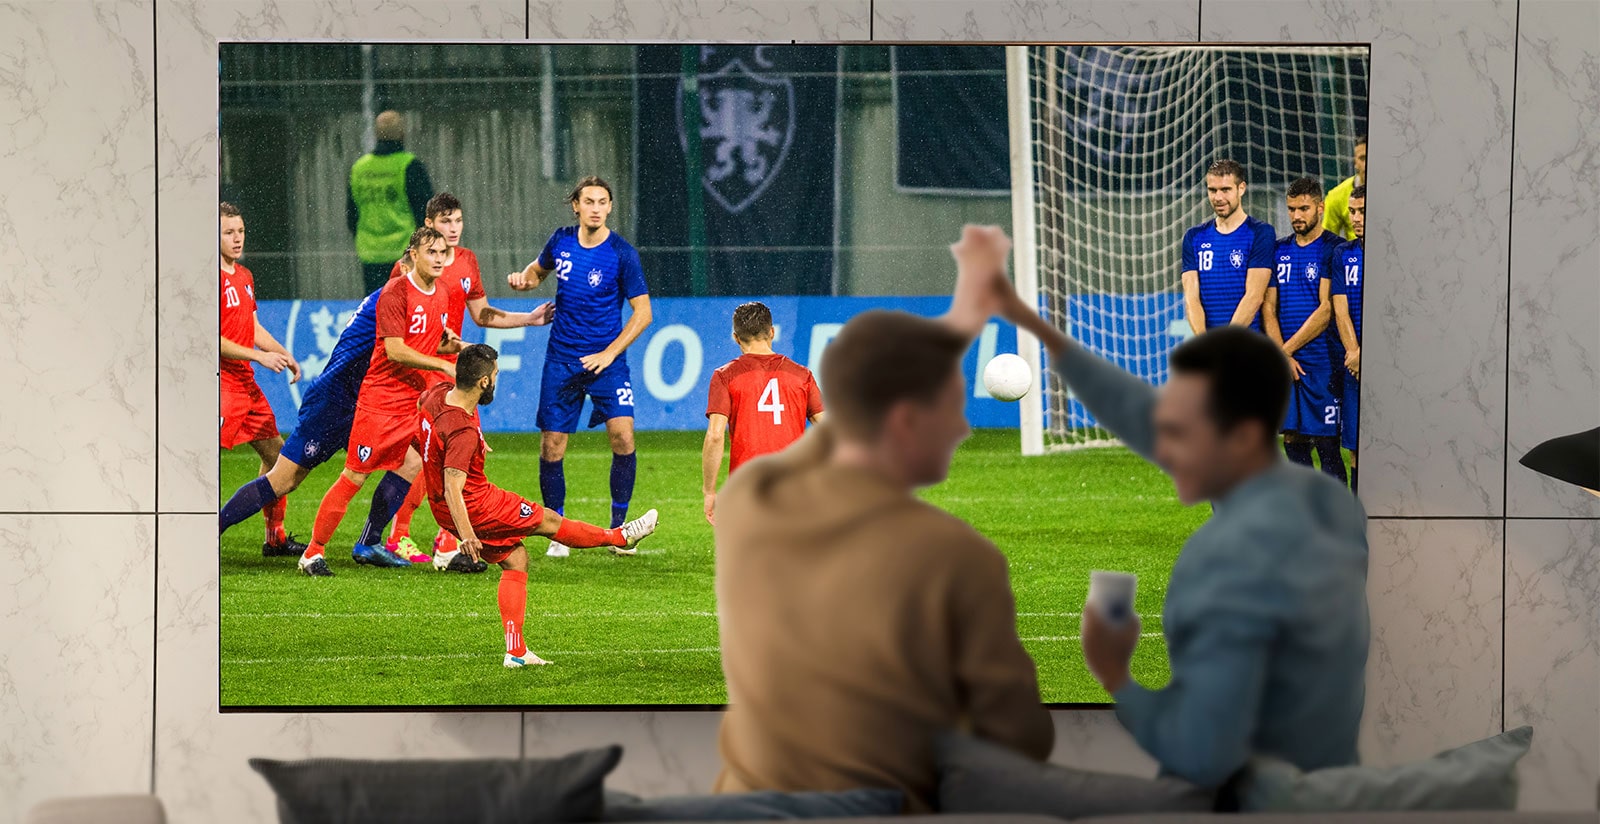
[(1433, 389), (186, 82), (1433, 672), (1082, 20), (1553, 658), (76, 152), (769, 20), (1555, 249), (201, 772), (77, 668)]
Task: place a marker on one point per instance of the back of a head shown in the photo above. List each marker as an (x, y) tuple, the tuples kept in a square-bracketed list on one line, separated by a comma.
[(1248, 376), (752, 321), (389, 126), (881, 358)]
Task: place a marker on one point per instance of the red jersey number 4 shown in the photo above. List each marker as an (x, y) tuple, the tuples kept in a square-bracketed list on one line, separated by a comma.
[(771, 401)]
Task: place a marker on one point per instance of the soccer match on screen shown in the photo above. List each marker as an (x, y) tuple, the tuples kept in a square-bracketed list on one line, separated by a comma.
[(546, 370)]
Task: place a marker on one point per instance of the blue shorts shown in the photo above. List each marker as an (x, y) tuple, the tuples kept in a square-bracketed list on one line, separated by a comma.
[(321, 430), (565, 385), (1350, 413), (1313, 404)]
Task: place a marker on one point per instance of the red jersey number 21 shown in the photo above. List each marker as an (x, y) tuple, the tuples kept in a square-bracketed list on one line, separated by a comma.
[(770, 402), (419, 323)]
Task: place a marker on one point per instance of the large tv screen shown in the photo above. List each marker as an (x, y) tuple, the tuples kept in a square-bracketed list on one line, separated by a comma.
[(820, 181)]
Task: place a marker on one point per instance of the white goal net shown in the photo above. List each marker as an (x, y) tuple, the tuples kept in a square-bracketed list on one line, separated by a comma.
[(1109, 146)]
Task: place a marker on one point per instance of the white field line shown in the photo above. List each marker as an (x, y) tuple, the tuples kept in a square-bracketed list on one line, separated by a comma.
[(447, 656), (687, 613)]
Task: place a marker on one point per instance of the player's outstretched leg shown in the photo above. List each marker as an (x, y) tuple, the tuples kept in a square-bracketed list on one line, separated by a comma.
[(622, 540), (513, 597)]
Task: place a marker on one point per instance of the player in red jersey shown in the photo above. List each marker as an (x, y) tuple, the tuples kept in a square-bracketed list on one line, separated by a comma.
[(411, 334), (491, 523), (464, 286), (246, 415), (758, 396)]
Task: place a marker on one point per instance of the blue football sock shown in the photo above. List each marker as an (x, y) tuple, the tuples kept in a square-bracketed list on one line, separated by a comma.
[(386, 501), (623, 469), (1332, 459), (553, 485), (250, 499), (1298, 451)]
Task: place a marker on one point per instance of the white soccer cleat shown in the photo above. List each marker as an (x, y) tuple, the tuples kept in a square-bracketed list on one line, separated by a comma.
[(557, 550), (528, 659), (635, 531)]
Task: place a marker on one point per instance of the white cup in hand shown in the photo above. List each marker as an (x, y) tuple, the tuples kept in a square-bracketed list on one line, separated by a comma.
[(1111, 595)]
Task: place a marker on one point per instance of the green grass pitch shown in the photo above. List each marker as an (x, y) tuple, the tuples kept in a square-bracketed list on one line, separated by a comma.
[(643, 630)]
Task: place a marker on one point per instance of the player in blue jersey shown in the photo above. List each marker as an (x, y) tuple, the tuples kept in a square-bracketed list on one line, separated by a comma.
[(1350, 264), (597, 272), (1298, 305), (1227, 262)]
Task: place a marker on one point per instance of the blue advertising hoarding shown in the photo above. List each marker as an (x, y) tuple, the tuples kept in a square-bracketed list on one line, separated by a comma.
[(671, 362)]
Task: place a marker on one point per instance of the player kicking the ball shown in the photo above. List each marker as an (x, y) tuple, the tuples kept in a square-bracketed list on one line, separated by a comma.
[(758, 397), (463, 284), (596, 272), (490, 522)]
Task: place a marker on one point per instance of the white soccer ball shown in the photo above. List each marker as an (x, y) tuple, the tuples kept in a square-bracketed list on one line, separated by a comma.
[(1008, 377)]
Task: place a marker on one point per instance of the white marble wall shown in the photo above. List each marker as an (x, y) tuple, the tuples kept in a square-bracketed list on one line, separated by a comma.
[(110, 97)]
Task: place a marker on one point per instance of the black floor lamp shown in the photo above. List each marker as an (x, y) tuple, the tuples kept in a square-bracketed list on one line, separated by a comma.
[(1571, 458)]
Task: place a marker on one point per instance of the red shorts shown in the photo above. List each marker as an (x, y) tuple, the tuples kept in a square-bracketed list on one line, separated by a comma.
[(246, 415), (501, 522), (379, 440)]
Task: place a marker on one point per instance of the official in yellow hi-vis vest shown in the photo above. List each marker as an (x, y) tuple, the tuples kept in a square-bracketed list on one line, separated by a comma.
[(1336, 206), (389, 190)]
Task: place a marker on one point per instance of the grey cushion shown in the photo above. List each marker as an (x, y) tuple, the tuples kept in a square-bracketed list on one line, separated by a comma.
[(486, 791), (757, 806), (1479, 776), (976, 776)]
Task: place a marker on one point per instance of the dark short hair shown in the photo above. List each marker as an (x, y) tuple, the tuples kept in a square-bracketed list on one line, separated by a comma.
[(881, 358), (228, 209), (1249, 376), (1305, 187), (1226, 167), (424, 236), (1358, 193), (474, 363), (591, 180), (441, 203), (1361, 141), (752, 320)]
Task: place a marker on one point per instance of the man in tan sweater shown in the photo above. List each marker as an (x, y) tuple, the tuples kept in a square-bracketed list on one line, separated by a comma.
[(857, 621)]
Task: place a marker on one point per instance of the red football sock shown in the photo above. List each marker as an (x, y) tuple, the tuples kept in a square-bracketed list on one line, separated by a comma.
[(273, 513), (402, 519), (580, 535), (513, 608), (330, 513)]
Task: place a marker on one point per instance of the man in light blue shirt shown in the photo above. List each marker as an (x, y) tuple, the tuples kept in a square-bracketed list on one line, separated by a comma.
[(1266, 612)]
